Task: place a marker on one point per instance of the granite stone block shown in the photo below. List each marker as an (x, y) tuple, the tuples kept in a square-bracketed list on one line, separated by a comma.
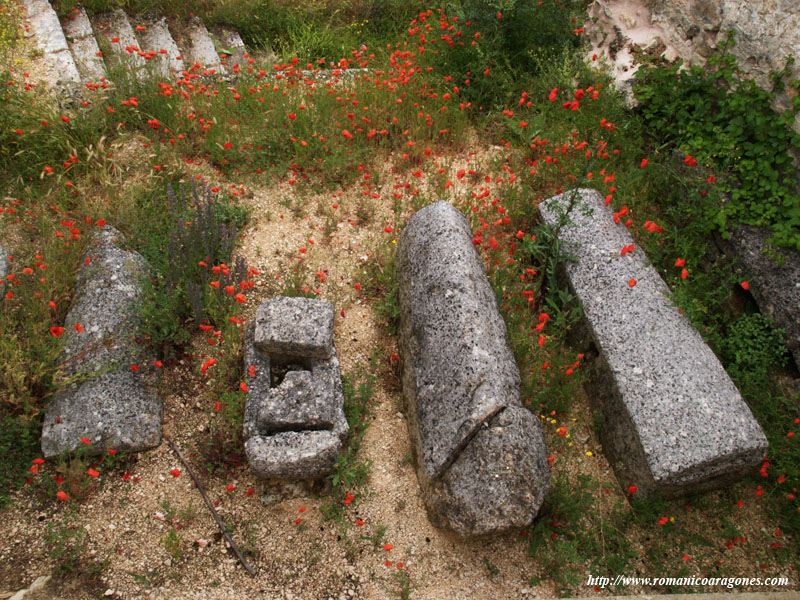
[(295, 328), (674, 421), (295, 430), (103, 399)]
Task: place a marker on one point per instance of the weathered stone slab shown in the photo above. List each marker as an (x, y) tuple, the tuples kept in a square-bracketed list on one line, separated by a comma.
[(293, 455), (51, 41), (104, 399), (481, 457), (232, 46), (200, 49), (3, 263), (82, 43), (126, 50), (297, 403), (774, 278), (674, 421), (157, 38), (293, 431), (295, 328)]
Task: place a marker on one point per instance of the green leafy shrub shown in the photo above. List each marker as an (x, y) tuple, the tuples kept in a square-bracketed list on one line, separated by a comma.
[(19, 445), (727, 124), (188, 249), (753, 345)]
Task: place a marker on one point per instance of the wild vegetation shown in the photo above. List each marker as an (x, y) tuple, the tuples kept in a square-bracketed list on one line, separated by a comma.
[(412, 90)]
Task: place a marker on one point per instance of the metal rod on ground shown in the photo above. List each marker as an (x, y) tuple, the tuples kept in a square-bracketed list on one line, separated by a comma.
[(202, 491)]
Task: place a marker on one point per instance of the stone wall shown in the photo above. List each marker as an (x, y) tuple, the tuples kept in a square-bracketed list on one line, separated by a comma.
[(766, 32)]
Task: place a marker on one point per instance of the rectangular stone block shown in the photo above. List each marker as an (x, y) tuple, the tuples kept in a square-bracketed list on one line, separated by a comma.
[(297, 403), (674, 421), (295, 328)]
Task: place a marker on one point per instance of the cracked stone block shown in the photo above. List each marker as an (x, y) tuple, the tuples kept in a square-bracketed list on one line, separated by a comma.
[(674, 422), (295, 328), (293, 431), (157, 38), (102, 398), (126, 50), (297, 404), (472, 437), (200, 50), (51, 41), (232, 46)]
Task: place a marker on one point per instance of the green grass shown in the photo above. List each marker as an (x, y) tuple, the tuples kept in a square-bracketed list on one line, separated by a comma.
[(19, 445), (352, 469)]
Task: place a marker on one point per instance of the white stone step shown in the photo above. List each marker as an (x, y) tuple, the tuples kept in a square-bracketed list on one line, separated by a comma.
[(114, 25), (157, 41), (232, 46), (200, 50), (46, 28), (82, 43)]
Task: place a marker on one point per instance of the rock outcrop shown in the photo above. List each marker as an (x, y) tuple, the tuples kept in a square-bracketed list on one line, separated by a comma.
[(766, 31)]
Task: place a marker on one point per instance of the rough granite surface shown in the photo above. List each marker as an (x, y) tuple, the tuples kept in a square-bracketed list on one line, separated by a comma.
[(674, 421), (3, 263), (295, 328), (299, 402), (295, 430), (107, 402), (774, 285), (460, 377), (499, 480)]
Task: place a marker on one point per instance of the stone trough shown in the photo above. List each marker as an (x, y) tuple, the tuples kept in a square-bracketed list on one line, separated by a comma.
[(674, 422), (108, 396), (295, 429), (481, 456)]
